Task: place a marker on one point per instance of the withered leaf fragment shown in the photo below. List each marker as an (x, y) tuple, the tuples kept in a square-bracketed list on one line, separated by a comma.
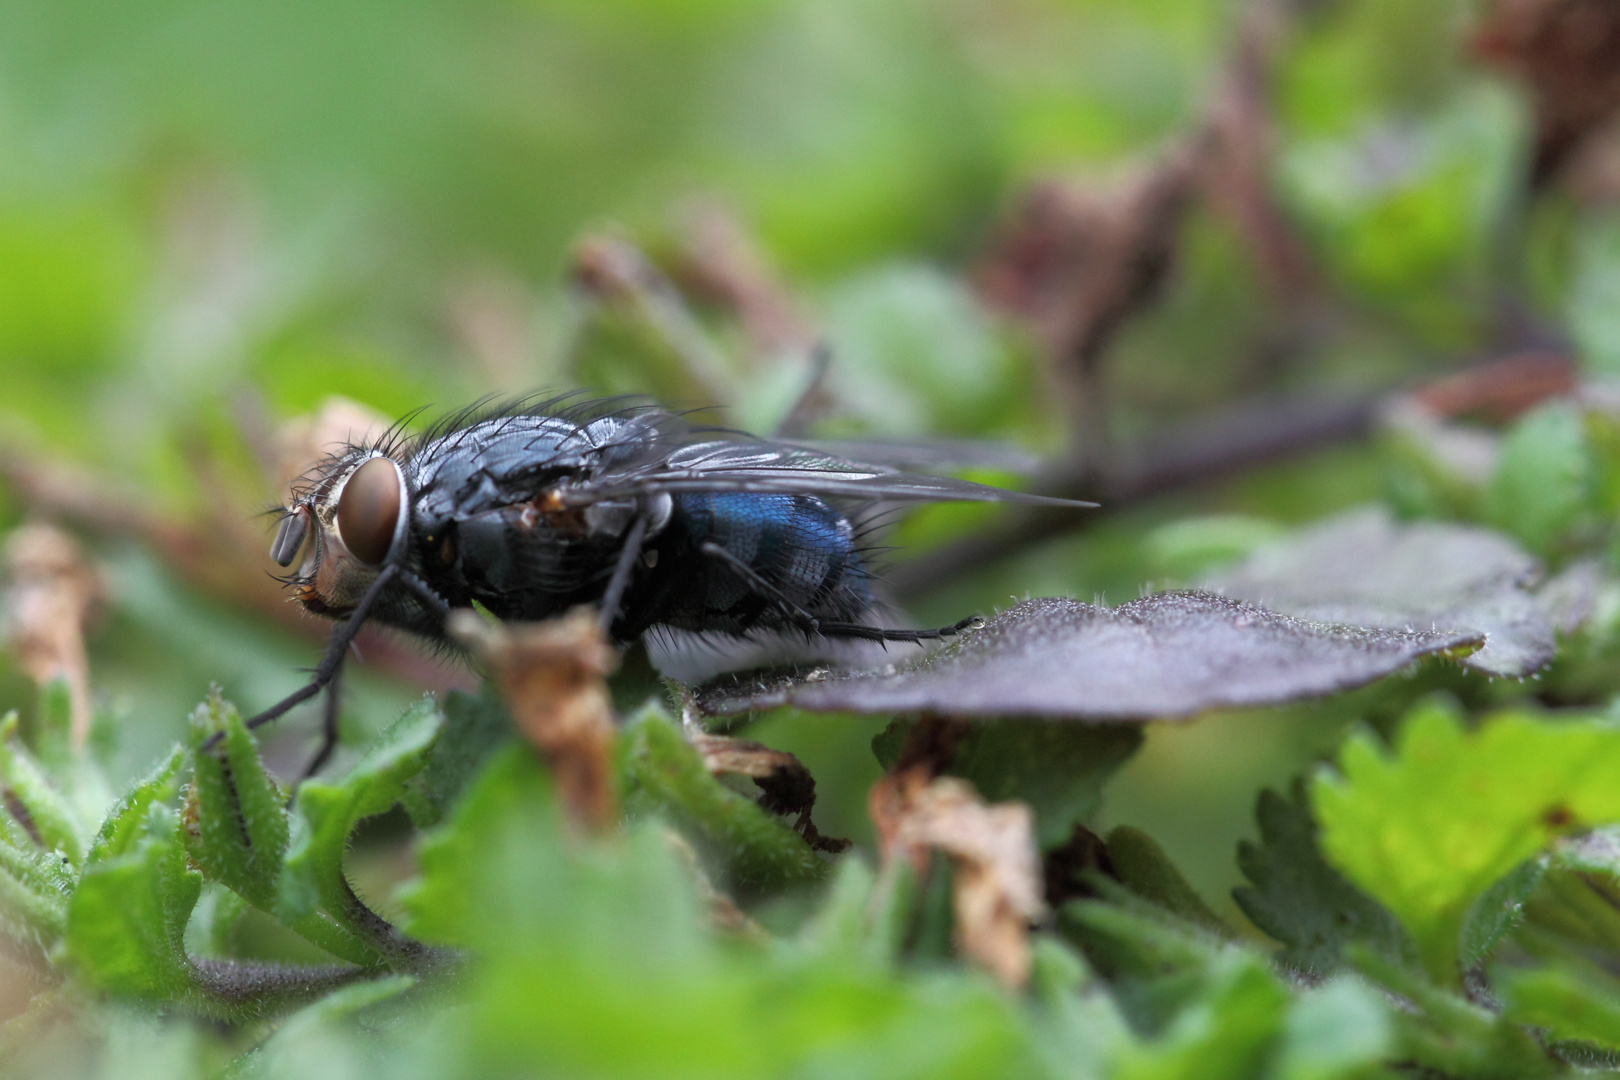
[(786, 786), (52, 597), (551, 675), (1567, 53), (996, 891)]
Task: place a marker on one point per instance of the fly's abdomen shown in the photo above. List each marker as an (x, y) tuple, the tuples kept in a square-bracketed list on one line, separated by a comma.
[(799, 546)]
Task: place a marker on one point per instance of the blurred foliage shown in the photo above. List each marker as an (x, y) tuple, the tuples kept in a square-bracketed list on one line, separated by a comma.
[(214, 217)]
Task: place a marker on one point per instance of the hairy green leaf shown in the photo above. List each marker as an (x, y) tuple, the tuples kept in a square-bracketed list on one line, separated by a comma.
[(45, 812), (326, 812), (1566, 1001), (1231, 1030), (126, 821), (474, 728), (1428, 829), (242, 830), (1342, 1028), (1543, 485), (664, 774), (1440, 1030), (35, 887), (127, 919), (1142, 865), (1300, 900), (580, 941)]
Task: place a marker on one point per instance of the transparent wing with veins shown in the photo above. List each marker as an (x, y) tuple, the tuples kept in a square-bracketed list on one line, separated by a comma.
[(771, 468)]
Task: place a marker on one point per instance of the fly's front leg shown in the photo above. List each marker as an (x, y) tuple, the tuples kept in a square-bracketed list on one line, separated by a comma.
[(430, 600), (329, 726), (337, 648)]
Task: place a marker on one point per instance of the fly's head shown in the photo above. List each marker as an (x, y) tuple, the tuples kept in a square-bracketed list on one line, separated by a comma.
[(350, 522)]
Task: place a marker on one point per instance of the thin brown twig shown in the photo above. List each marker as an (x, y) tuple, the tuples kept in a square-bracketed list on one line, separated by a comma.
[(1232, 441)]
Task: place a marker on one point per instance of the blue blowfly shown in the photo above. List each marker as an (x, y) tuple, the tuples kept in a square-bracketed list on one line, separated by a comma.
[(704, 543)]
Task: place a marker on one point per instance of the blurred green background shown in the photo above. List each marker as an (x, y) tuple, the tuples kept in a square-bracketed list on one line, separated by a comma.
[(214, 214)]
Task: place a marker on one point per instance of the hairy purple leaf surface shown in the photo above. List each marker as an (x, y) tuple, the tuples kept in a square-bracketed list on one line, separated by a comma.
[(1365, 569), (1171, 654)]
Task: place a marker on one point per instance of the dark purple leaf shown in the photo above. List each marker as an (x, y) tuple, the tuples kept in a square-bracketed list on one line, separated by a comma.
[(1364, 569), (1172, 654)]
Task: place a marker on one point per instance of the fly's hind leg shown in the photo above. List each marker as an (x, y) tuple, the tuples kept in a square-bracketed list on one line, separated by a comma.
[(808, 623), (795, 614)]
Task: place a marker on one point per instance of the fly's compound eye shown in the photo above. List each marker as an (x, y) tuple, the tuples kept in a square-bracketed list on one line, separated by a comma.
[(290, 537), (368, 510)]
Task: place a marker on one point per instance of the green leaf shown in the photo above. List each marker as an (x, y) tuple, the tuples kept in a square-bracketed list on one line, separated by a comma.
[(126, 821), (1129, 937), (1498, 910), (474, 728), (594, 960), (1179, 984), (664, 774), (1569, 1003), (1430, 828), (1192, 547), (510, 802), (326, 813), (1542, 488), (1594, 321), (1342, 1028), (242, 831), (916, 352), (52, 735), (1300, 900), (1080, 1027), (1228, 1031), (1579, 895), (1058, 769), (127, 919), (304, 1043), (35, 887), (1446, 1033), (49, 816), (862, 915), (1146, 870)]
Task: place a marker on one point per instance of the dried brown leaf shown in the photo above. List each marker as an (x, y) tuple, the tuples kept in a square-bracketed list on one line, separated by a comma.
[(1237, 170), (54, 595), (722, 263), (305, 440), (609, 268), (786, 786), (997, 877), (552, 677), (1567, 53)]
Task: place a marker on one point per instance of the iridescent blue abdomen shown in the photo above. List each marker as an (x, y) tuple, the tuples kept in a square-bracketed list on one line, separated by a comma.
[(798, 545)]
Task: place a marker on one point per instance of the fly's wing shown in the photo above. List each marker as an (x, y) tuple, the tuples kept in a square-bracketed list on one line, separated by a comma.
[(928, 453), (763, 468)]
